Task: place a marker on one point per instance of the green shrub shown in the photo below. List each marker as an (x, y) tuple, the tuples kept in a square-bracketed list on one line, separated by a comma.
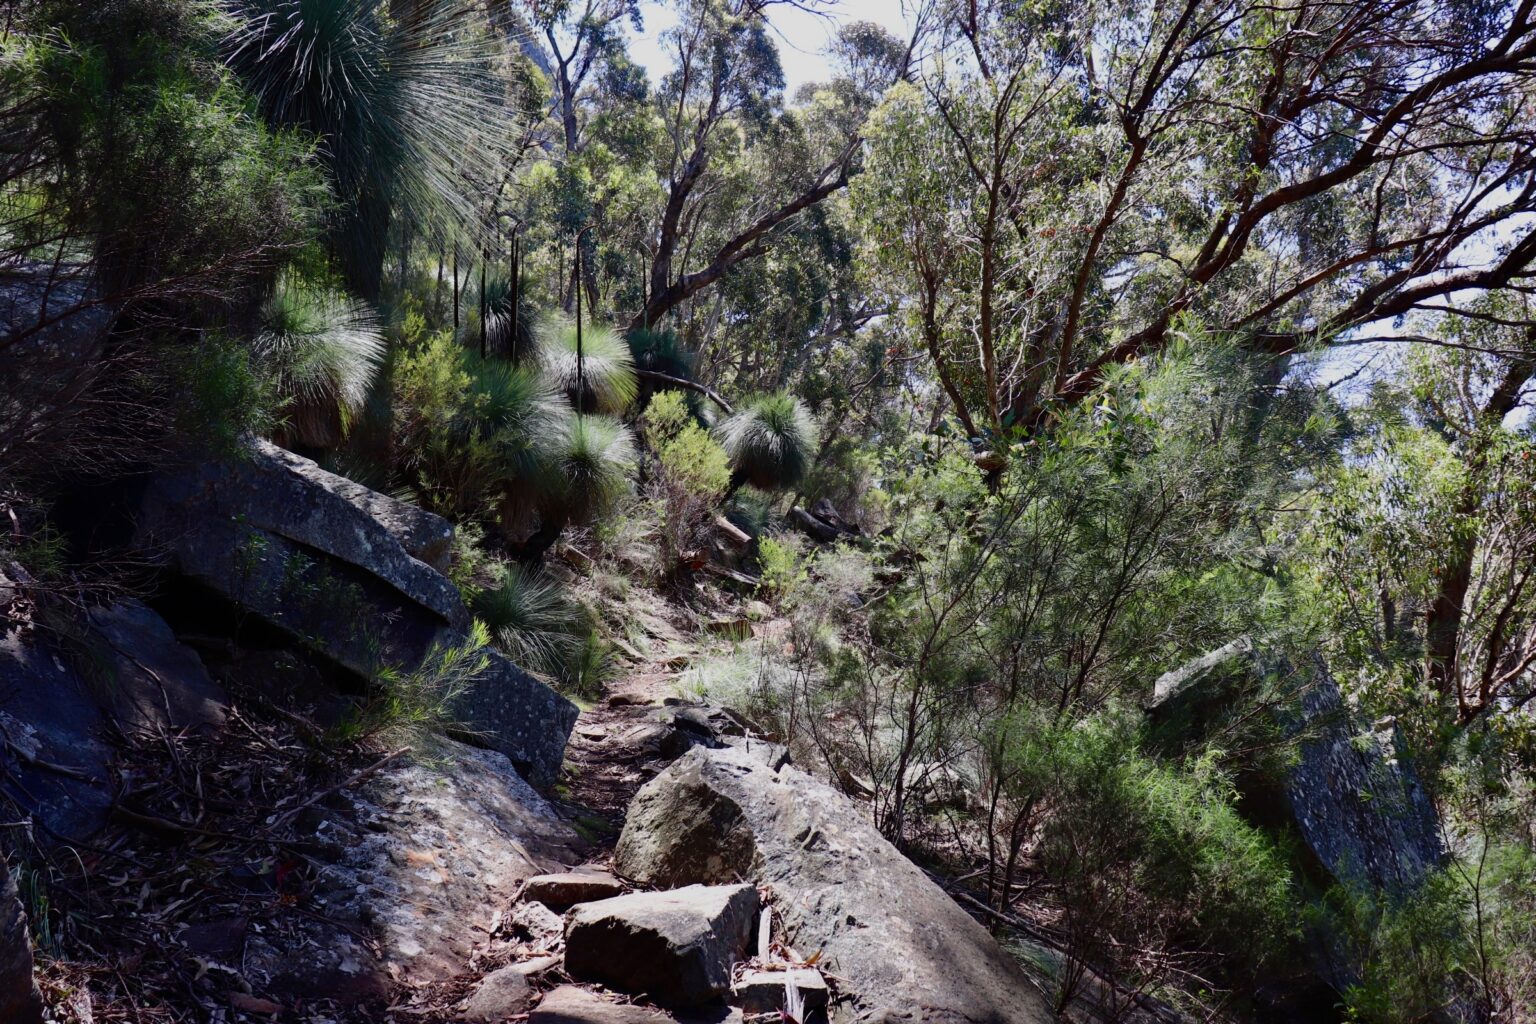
[(478, 438), (691, 477), (1147, 855), (783, 565), (223, 397), (417, 699)]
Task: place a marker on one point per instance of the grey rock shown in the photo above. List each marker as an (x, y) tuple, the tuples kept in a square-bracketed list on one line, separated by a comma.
[(767, 991), (773, 755), (569, 1004), (422, 857), (902, 945), (536, 925), (297, 547), (425, 537), (52, 333), (687, 830), (675, 947), (50, 715), (1351, 795), (153, 681), (503, 993), (20, 1001), (1356, 800), (571, 887)]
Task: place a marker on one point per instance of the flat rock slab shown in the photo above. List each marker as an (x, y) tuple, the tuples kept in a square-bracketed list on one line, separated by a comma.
[(418, 863), (570, 1004), (675, 947), (322, 560), (572, 887), (906, 950), (768, 991), (154, 681)]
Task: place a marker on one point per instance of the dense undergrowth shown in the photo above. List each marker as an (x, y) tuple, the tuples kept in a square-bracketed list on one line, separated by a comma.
[(1073, 412)]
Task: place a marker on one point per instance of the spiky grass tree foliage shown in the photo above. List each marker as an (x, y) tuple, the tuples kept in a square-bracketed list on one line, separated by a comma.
[(606, 381), (591, 471), (594, 466), (522, 422), (407, 110), (509, 334), (770, 443), (531, 618), (659, 352), (323, 349)]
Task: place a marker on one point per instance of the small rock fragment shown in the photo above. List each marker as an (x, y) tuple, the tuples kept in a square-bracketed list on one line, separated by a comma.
[(500, 994), (766, 991), (571, 1005), (535, 924)]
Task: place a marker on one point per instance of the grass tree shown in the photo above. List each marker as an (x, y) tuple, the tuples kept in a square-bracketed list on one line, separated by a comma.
[(531, 618), (771, 442), (407, 111), (323, 350), (595, 373), (496, 328)]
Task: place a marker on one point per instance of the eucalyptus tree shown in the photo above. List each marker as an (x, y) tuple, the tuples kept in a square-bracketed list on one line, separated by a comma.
[(1427, 540), (722, 101), (1058, 186)]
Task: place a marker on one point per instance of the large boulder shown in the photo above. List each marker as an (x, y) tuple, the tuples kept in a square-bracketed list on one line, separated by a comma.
[(54, 753), (675, 947), (1347, 800), (66, 686), (151, 680), (1350, 795), (900, 947), (20, 1002), (306, 551)]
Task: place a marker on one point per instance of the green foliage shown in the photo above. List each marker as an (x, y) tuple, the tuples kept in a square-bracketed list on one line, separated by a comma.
[(605, 371), (594, 464), (783, 565), (1432, 509), (1179, 862), (1413, 951), (421, 698), (532, 619), (147, 154), (691, 477), (688, 455), (771, 442), (324, 349), (509, 334), (223, 397), (477, 436)]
